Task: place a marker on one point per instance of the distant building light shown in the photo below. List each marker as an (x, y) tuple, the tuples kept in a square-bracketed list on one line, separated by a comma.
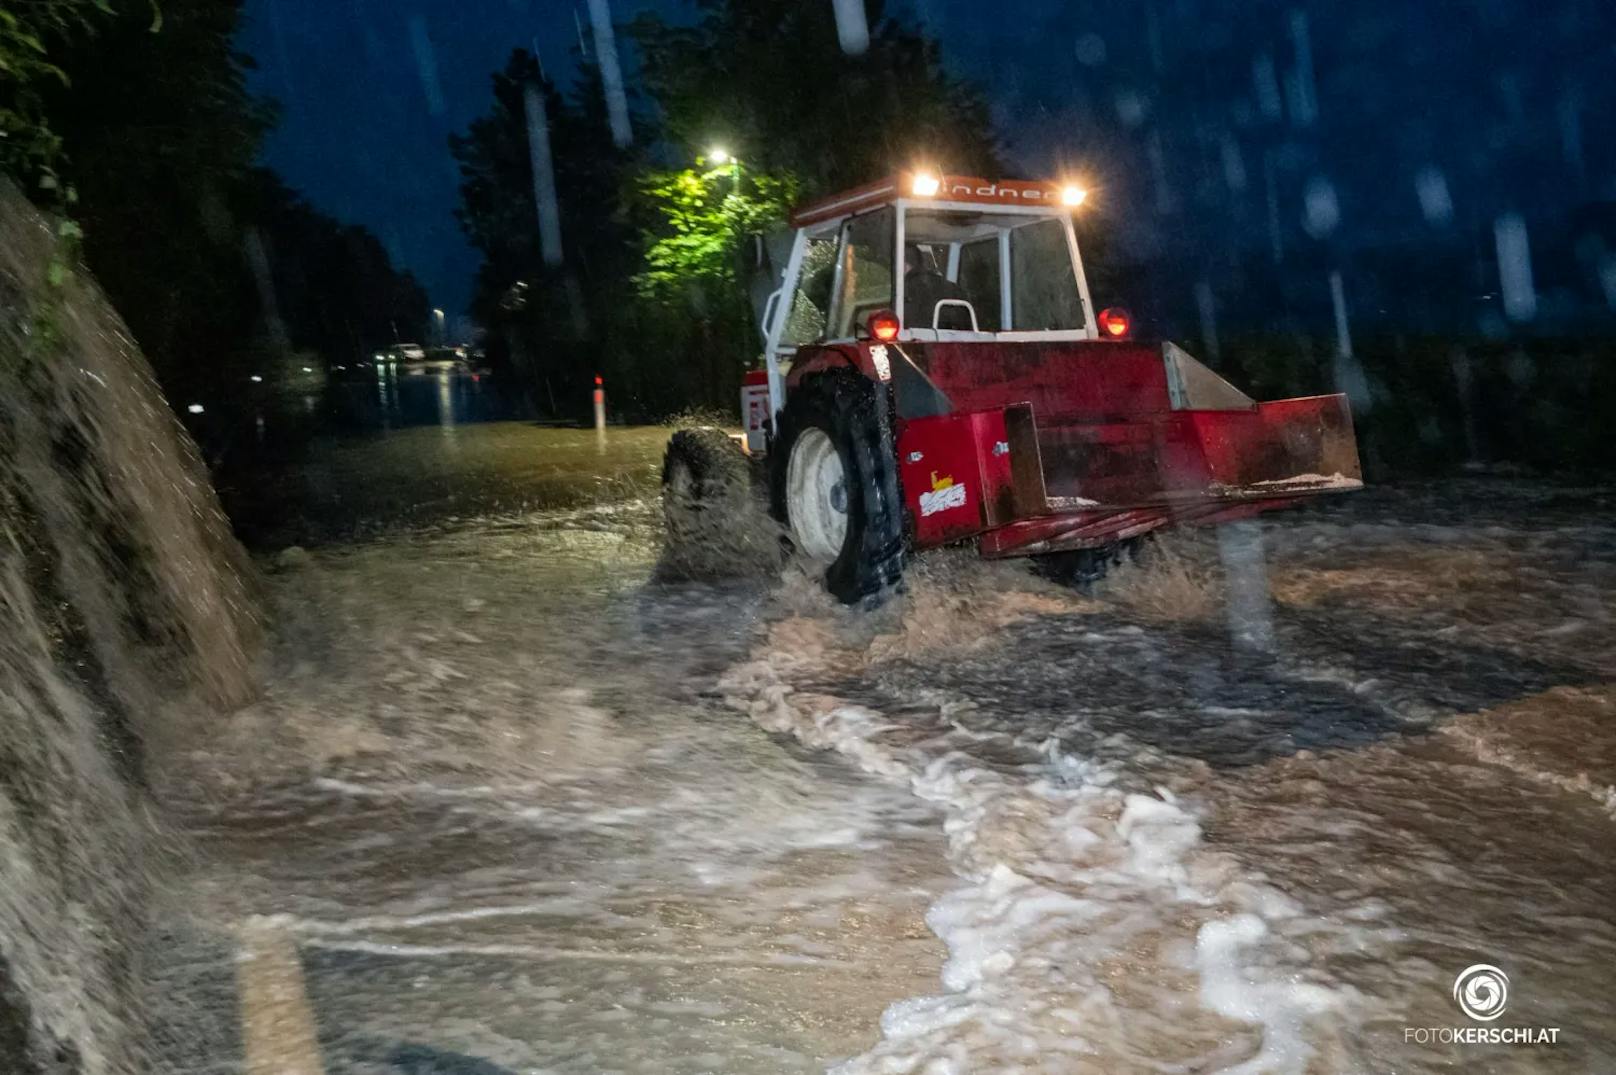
[(196, 408), (255, 379), (308, 369)]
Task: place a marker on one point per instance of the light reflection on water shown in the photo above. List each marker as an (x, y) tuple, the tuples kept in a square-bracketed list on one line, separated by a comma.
[(399, 395)]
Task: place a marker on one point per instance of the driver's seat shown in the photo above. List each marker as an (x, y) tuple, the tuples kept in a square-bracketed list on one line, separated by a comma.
[(923, 290)]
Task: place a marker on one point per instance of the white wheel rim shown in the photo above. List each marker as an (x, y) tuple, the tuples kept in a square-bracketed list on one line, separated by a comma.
[(816, 496)]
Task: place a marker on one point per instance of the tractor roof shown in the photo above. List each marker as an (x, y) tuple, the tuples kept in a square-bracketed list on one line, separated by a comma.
[(923, 187)]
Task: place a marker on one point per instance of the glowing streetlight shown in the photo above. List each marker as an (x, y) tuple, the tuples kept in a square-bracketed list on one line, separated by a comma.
[(720, 155), (925, 184), (1073, 195)]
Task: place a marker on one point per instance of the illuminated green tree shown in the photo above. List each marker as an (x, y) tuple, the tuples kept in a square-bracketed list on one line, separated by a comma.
[(696, 228)]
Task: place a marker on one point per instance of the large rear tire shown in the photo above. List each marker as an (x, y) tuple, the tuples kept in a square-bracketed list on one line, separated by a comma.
[(710, 518), (833, 484)]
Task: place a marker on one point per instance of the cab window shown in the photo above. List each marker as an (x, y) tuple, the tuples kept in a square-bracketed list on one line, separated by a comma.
[(863, 271), (809, 313), (979, 279), (1043, 284)]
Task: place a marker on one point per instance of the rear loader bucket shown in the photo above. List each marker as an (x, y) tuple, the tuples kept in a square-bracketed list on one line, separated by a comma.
[(1069, 445), (1085, 484)]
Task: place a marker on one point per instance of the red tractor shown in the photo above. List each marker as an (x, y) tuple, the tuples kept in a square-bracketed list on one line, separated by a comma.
[(935, 374)]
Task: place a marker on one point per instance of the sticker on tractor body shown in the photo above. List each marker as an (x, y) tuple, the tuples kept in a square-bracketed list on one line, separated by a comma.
[(944, 495), (881, 361)]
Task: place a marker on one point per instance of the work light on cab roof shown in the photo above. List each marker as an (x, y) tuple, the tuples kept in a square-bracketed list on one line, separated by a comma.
[(935, 371)]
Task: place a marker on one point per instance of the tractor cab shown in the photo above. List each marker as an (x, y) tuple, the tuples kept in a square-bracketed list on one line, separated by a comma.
[(952, 258)]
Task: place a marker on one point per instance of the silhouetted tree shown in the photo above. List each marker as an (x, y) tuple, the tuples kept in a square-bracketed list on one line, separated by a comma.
[(768, 80), (208, 257), (159, 135), (554, 324), (335, 290)]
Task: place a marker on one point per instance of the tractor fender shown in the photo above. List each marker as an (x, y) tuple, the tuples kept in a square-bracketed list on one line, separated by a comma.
[(821, 358)]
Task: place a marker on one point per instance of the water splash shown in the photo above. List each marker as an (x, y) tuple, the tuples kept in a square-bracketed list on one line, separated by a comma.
[(1303, 94), (544, 187), (1250, 604), (1431, 187), (852, 27), (426, 64), (1515, 267), (119, 583), (1091, 50), (611, 72), (1321, 207), (1349, 372)]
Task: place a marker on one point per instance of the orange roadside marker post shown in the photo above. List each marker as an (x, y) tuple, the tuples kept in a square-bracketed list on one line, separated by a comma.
[(600, 407)]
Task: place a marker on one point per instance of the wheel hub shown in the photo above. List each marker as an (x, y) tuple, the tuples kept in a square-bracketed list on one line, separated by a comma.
[(816, 496)]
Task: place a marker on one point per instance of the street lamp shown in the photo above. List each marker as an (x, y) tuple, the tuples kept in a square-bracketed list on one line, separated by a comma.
[(437, 316), (719, 156)]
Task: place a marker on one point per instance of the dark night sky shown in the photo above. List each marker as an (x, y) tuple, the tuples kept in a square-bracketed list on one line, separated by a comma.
[(364, 135), (1421, 122)]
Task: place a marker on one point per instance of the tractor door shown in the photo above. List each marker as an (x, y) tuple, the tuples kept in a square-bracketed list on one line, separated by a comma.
[(797, 312), (837, 274)]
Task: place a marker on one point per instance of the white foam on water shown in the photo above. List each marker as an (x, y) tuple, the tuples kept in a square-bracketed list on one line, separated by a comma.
[(1094, 930)]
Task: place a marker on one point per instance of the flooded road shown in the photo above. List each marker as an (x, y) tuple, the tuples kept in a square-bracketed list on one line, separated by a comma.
[(495, 804), (514, 803)]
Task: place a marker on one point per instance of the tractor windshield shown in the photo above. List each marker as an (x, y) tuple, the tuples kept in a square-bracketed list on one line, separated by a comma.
[(986, 272)]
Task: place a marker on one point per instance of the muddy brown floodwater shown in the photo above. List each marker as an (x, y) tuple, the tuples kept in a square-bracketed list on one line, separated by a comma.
[(514, 803)]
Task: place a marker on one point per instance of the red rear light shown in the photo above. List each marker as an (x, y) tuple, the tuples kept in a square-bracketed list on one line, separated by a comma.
[(1115, 322), (884, 325)]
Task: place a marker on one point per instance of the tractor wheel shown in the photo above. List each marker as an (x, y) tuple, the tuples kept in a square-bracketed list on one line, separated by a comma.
[(707, 506), (833, 484), (1082, 568), (1078, 568)]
